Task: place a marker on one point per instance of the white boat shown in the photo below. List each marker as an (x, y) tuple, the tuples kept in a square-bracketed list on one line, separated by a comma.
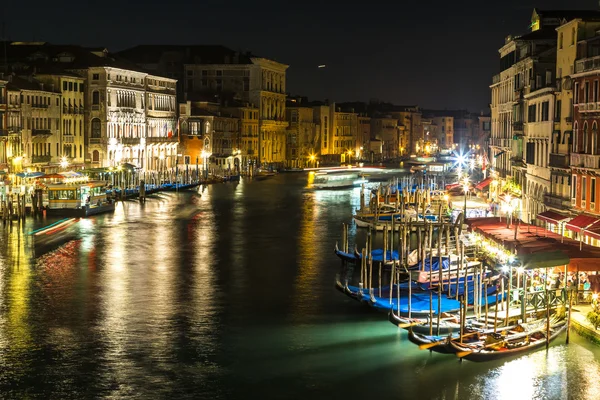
[(77, 199), (337, 180)]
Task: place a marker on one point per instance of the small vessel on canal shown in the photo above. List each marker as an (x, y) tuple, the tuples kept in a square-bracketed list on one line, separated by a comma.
[(72, 199), (337, 179)]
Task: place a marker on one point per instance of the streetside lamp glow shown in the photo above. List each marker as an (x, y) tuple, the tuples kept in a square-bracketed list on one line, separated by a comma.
[(64, 163)]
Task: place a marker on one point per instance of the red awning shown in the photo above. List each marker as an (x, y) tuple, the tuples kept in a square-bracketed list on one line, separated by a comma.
[(484, 183), (551, 217), (580, 222), (593, 231)]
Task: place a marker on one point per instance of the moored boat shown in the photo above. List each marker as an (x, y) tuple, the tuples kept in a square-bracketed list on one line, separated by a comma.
[(72, 199), (493, 346)]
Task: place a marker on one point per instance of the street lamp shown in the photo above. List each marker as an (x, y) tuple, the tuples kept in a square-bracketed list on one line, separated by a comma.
[(64, 163), (466, 190), (161, 158), (349, 156), (312, 159)]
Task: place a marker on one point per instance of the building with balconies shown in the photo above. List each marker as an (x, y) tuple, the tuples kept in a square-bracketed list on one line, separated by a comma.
[(209, 137), (40, 112), (72, 132), (537, 136), (585, 156), (302, 138), (528, 64)]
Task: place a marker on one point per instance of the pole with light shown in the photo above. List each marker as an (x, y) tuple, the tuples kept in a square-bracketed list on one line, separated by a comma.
[(161, 159), (466, 190)]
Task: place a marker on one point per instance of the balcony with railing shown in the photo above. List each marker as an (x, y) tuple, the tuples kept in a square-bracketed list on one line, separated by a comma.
[(496, 79), (587, 64), (39, 105), (556, 201), (161, 139), (590, 161), (588, 107), (518, 126), (41, 159), (95, 140), (68, 139), (501, 142), (41, 132), (559, 160)]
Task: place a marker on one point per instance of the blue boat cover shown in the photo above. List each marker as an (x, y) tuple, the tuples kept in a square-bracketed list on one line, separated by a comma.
[(435, 265)]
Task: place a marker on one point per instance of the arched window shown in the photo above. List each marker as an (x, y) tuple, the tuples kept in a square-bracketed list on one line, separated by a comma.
[(586, 148), (575, 137), (96, 156), (595, 144), (96, 128)]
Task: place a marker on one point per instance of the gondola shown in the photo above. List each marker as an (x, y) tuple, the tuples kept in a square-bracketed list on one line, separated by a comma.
[(495, 346)]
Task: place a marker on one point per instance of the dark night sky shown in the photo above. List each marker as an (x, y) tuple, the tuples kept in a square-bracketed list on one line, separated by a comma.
[(432, 53)]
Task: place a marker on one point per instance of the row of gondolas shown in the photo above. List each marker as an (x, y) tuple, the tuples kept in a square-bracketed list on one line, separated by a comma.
[(450, 303)]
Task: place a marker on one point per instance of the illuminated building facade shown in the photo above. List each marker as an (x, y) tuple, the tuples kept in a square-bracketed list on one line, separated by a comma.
[(72, 132), (302, 135), (40, 112)]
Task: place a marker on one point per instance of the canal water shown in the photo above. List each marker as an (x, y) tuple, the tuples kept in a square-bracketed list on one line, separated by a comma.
[(228, 293)]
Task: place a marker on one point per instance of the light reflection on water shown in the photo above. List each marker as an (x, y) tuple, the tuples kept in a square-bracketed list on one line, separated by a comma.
[(225, 293)]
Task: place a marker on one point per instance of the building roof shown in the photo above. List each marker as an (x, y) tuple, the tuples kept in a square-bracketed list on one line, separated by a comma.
[(46, 56), (20, 83), (568, 14), (540, 34), (191, 54)]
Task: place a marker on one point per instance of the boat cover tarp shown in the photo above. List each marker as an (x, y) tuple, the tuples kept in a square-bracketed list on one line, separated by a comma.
[(377, 255), (420, 303), (434, 265)]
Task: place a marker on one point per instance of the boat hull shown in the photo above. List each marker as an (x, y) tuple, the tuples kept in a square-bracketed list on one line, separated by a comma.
[(481, 355), (81, 212)]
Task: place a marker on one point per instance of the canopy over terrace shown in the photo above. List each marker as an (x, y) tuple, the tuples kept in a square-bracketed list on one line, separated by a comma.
[(523, 240)]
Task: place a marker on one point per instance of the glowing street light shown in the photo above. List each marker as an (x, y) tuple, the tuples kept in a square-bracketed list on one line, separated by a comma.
[(64, 163)]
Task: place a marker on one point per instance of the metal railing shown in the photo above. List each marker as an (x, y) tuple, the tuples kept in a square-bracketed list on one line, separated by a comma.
[(591, 161), (41, 159), (39, 132), (587, 64)]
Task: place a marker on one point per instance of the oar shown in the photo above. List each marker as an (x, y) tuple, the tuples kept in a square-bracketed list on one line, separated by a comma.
[(426, 346), (409, 324)]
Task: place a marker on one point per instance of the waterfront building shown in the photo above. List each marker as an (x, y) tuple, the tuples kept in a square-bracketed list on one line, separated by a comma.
[(585, 156), (537, 134), (386, 129), (363, 136), (129, 114), (209, 137), (40, 110), (248, 134), (569, 35), (528, 64), (411, 128), (445, 132), (302, 138), (4, 124), (71, 123), (217, 70), (13, 146)]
